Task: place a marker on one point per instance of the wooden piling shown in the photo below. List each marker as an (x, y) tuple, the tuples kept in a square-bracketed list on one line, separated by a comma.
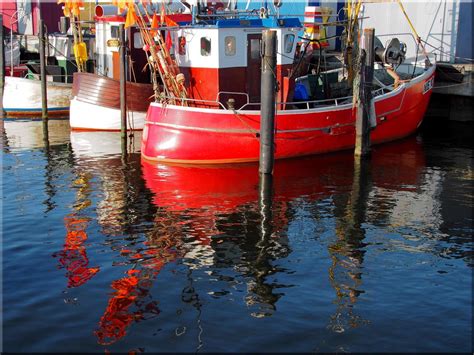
[(362, 90), (267, 110), (42, 54), (2, 67), (123, 86)]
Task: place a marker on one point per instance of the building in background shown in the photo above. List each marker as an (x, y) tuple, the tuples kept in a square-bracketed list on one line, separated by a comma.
[(445, 25), (23, 15)]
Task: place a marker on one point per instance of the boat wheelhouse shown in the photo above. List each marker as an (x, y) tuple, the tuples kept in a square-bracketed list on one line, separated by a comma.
[(219, 120), (223, 61)]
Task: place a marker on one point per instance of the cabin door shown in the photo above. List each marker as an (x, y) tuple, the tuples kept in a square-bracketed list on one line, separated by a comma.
[(116, 65), (254, 67)]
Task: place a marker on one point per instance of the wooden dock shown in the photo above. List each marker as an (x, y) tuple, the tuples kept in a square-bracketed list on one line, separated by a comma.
[(453, 92)]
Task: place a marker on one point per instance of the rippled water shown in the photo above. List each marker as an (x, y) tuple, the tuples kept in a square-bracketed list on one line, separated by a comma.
[(103, 252)]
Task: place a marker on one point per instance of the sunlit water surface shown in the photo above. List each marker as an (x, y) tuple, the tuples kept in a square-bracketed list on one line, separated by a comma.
[(107, 253)]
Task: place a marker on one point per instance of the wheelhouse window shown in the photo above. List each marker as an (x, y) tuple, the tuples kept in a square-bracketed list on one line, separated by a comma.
[(205, 46), (289, 41), (114, 32), (229, 45), (182, 45)]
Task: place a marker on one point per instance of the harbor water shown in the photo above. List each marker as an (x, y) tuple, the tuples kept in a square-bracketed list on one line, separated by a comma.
[(103, 252)]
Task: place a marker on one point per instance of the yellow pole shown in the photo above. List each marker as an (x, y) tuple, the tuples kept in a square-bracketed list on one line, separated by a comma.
[(418, 38)]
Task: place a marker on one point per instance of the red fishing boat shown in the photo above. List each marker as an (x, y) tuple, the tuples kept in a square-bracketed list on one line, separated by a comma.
[(219, 119)]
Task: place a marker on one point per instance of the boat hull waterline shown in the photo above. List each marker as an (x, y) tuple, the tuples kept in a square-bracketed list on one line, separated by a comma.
[(190, 135), (96, 103), (22, 98), (89, 117)]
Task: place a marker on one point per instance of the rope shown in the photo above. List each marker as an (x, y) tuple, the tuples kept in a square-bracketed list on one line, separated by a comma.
[(449, 86), (252, 130)]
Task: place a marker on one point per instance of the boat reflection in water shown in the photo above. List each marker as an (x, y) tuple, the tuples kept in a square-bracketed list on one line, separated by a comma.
[(234, 227), (74, 257), (28, 134), (235, 224), (99, 153)]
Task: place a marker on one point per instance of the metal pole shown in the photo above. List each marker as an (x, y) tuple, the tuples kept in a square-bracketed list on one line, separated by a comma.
[(268, 93), (2, 66), (363, 93), (123, 87), (11, 46), (42, 53)]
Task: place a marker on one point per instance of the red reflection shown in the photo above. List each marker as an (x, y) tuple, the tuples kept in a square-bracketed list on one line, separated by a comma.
[(117, 317), (213, 191), (73, 257), (128, 303), (221, 189)]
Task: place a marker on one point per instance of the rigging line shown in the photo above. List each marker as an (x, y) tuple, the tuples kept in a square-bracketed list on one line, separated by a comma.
[(61, 53), (252, 130), (448, 86), (269, 67)]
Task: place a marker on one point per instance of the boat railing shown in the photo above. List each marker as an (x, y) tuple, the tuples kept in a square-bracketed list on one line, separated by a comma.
[(12, 22), (309, 104), (382, 90)]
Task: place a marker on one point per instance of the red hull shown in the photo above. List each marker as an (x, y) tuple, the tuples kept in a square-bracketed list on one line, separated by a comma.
[(223, 188), (211, 136)]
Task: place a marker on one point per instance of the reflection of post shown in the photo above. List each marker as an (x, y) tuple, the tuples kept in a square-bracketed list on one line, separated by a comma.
[(5, 143), (2, 67), (347, 253), (265, 204), (49, 189), (123, 87), (260, 292), (189, 295)]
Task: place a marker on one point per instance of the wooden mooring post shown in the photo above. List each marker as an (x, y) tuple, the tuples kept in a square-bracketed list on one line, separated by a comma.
[(123, 87), (362, 91), (42, 54), (2, 67), (267, 110)]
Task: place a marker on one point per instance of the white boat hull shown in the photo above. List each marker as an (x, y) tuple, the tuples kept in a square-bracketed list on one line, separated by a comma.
[(86, 116), (22, 97)]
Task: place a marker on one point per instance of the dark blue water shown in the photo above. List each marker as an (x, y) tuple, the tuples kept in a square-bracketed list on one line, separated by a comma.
[(106, 253)]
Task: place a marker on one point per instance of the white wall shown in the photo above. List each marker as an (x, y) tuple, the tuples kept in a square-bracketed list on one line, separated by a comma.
[(435, 21), (218, 59)]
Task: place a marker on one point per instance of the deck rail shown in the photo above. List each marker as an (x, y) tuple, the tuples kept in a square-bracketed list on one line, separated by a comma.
[(309, 104)]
